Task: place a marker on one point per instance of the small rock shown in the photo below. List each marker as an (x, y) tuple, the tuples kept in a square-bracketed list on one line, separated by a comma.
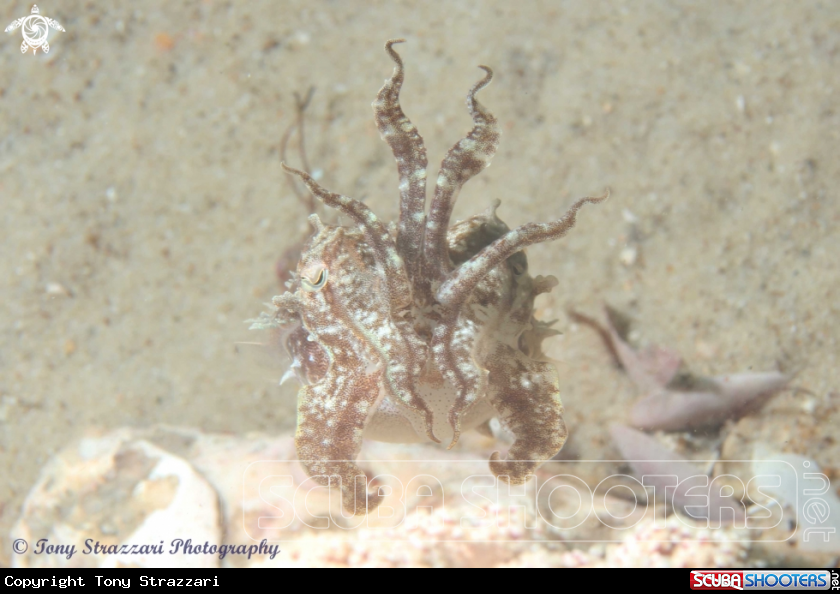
[(628, 255), (57, 290)]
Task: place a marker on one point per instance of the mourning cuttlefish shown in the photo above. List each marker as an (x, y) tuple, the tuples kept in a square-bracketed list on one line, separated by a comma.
[(418, 331)]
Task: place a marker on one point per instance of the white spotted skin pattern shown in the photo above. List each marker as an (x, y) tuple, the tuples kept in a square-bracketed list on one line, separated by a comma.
[(413, 334)]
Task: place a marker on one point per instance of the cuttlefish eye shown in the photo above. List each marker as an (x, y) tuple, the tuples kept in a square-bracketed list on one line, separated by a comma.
[(312, 286)]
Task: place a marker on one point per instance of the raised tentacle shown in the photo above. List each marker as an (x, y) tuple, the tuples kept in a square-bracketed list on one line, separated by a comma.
[(460, 283), (526, 394), (410, 153), (385, 251), (463, 161), (301, 104)]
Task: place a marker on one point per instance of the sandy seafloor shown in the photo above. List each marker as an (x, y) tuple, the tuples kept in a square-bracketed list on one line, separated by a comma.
[(143, 205)]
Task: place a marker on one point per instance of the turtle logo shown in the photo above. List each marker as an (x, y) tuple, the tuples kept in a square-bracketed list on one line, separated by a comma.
[(35, 29)]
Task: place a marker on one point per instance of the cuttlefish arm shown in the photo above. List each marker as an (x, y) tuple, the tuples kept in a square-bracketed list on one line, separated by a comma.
[(332, 415), (410, 154), (526, 394)]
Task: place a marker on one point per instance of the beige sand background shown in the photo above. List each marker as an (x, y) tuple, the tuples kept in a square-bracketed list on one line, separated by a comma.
[(143, 206)]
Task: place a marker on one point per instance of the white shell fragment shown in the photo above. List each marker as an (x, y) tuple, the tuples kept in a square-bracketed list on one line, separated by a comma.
[(804, 490), (116, 490)]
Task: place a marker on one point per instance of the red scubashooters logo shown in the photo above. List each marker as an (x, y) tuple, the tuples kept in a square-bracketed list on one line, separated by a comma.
[(762, 579), (717, 580)]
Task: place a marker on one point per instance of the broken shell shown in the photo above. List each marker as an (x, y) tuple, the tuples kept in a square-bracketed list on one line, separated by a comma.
[(114, 491)]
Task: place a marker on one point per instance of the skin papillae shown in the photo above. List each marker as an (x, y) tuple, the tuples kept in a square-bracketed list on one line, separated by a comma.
[(419, 331)]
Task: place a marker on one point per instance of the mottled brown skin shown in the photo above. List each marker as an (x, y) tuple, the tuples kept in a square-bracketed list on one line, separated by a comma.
[(419, 336)]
